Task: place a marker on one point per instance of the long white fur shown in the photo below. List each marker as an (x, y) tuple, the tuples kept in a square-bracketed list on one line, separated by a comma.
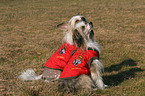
[(94, 45), (29, 74), (89, 43), (68, 33), (96, 74)]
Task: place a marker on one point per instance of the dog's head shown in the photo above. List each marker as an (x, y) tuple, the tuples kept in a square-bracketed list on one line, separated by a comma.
[(69, 27), (83, 34), (79, 31)]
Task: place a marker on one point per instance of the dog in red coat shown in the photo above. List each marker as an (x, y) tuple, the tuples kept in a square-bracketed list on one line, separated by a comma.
[(84, 68), (78, 55)]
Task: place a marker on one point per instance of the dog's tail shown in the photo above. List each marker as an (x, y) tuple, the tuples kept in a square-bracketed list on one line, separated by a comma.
[(29, 74)]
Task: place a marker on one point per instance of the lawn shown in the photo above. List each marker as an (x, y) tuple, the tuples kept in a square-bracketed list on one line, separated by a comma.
[(29, 37)]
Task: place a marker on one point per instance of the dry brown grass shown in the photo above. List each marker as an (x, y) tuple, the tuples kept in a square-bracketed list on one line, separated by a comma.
[(28, 37)]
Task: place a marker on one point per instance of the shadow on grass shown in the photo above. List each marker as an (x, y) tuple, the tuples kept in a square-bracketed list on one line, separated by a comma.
[(128, 62), (116, 79)]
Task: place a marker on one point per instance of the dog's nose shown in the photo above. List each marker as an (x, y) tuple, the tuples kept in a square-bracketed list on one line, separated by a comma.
[(83, 19)]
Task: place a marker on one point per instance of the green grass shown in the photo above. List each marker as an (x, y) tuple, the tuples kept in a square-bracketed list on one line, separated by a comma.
[(29, 37)]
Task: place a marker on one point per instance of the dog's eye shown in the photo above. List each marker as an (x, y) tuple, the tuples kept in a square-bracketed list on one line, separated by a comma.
[(83, 28), (77, 21)]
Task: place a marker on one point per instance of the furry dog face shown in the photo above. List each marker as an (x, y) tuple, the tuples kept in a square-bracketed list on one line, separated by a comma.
[(78, 31), (69, 27), (83, 34)]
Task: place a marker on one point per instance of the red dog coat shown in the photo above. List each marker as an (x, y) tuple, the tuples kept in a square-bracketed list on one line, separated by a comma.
[(79, 63), (60, 58)]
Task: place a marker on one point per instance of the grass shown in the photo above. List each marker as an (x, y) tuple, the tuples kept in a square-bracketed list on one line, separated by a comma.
[(28, 37)]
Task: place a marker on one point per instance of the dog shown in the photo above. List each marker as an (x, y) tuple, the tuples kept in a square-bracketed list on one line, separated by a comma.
[(82, 37), (78, 32)]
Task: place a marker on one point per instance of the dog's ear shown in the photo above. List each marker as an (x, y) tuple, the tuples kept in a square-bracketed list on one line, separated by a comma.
[(63, 26)]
